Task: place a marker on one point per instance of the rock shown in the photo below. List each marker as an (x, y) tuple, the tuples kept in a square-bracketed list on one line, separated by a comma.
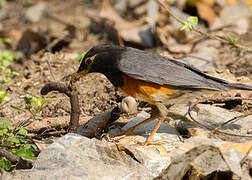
[(134, 3), (237, 15), (34, 13), (205, 157), (211, 116), (202, 60), (121, 6), (231, 13), (214, 115), (77, 157), (152, 12), (74, 156)]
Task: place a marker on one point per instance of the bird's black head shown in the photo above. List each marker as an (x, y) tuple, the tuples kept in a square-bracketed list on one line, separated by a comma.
[(99, 58)]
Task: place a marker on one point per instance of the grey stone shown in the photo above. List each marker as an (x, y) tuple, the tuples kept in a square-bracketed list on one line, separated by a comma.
[(77, 157), (34, 13), (233, 12), (202, 60)]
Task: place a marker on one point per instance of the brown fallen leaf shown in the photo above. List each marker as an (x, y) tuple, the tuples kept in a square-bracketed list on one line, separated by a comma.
[(205, 12)]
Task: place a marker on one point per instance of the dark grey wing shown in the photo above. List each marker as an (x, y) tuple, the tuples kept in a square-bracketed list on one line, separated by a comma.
[(158, 69)]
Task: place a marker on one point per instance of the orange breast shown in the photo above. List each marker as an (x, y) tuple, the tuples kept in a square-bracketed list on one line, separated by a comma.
[(146, 91)]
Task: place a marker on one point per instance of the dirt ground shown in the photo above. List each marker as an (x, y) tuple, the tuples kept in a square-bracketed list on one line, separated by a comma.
[(66, 29)]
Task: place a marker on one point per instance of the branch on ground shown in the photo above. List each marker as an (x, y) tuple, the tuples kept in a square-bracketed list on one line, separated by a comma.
[(225, 41), (71, 92), (20, 162), (212, 129)]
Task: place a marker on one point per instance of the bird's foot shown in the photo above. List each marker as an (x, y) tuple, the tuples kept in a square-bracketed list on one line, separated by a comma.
[(167, 122), (147, 143), (120, 135)]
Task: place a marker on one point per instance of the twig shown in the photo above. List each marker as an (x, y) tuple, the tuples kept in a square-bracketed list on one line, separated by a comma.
[(246, 156), (95, 126), (50, 67), (19, 162), (233, 119), (204, 33), (71, 92), (12, 158), (211, 128), (47, 134)]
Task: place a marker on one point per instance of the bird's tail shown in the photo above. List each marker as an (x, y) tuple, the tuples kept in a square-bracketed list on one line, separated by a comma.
[(238, 86)]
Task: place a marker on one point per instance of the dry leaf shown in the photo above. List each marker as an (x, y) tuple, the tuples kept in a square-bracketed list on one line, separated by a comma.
[(205, 12)]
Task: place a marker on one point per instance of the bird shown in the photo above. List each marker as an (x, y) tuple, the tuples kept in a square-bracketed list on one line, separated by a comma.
[(152, 78)]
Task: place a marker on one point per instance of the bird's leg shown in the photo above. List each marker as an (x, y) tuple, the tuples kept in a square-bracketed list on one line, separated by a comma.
[(154, 115), (162, 114)]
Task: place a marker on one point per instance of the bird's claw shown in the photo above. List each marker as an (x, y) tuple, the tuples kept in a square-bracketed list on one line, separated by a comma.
[(146, 143), (117, 136)]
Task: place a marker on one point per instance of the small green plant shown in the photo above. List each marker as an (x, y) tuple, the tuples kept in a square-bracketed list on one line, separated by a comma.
[(191, 20), (33, 104), (3, 96), (12, 139), (5, 40), (232, 39), (5, 164), (6, 58)]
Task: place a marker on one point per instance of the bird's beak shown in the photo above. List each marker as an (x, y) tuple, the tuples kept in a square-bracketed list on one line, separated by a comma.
[(76, 76)]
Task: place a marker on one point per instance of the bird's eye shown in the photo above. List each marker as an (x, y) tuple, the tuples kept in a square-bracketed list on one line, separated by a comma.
[(88, 61)]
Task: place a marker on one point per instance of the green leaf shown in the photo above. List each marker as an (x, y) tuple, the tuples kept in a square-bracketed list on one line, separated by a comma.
[(28, 99), (5, 164), (23, 140), (22, 130), (13, 140), (6, 124), (7, 71), (193, 20), (36, 101), (81, 56), (5, 79), (24, 153), (34, 147), (6, 57), (3, 95), (40, 102), (47, 100), (15, 73), (27, 146), (233, 39), (16, 107), (3, 132), (5, 40)]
